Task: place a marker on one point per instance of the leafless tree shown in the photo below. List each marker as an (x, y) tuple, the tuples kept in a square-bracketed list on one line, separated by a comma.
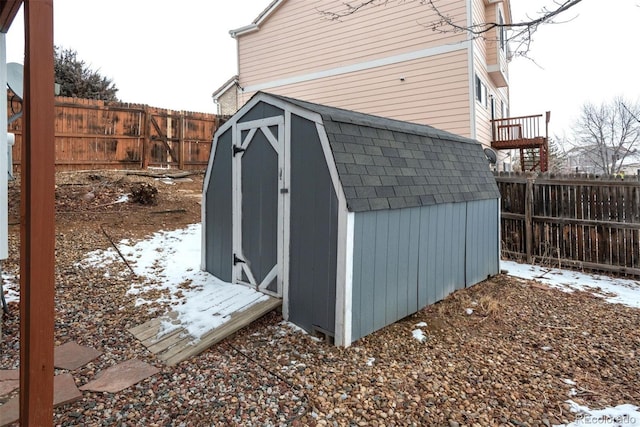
[(607, 134), (518, 34)]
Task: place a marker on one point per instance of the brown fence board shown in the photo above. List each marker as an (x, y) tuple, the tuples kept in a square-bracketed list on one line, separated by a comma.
[(589, 222), (91, 134)]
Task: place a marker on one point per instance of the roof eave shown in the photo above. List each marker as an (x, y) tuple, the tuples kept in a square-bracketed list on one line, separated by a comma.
[(243, 30), (224, 88), (255, 25)]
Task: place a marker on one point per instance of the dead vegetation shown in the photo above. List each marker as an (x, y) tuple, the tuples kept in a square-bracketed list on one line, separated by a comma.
[(495, 354)]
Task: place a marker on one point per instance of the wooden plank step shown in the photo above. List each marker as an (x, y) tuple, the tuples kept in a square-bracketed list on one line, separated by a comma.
[(166, 341), (237, 321), (153, 327)]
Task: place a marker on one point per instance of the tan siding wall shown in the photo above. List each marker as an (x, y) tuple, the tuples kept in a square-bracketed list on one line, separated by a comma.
[(297, 39), (435, 91), (479, 16), (485, 50)]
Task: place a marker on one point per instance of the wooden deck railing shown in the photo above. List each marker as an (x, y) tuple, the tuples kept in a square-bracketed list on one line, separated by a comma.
[(519, 132)]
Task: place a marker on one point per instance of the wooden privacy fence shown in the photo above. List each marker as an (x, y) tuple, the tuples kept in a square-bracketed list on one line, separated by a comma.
[(579, 221), (91, 134)]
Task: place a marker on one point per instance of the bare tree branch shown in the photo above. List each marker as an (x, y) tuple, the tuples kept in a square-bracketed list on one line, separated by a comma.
[(519, 34), (606, 135)]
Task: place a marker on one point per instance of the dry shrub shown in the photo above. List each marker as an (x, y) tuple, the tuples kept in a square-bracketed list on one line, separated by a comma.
[(489, 305), (145, 194)]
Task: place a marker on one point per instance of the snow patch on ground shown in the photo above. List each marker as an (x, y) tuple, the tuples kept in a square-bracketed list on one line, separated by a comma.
[(621, 415), (419, 335), (170, 261), (11, 287), (613, 290)]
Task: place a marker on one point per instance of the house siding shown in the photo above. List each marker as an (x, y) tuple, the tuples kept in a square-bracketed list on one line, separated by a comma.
[(347, 63), (485, 51), (299, 39), (438, 97)]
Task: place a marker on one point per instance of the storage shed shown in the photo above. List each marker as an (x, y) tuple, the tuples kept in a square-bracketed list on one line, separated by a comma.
[(355, 221)]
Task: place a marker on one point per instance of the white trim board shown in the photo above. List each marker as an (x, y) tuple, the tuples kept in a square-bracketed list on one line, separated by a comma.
[(342, 321), (4, 201), (394, 59), (286, 238)]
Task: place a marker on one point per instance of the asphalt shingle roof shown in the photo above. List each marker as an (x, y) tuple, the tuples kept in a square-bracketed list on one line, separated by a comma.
[(391, 164)]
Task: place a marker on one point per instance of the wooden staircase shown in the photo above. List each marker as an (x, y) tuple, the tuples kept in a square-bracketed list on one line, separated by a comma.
[(525, 134)]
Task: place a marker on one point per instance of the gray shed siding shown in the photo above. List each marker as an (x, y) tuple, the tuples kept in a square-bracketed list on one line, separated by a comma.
[(314, 232), (219, 243), (260, 207), (261, 110), (406, 259), (483, 256)]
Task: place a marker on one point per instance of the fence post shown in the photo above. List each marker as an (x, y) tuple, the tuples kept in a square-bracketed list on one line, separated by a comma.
[(145, 140), (528, 220), (181, 141)]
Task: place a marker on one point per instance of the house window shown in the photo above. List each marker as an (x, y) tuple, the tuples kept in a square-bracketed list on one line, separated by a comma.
[(478, 89), (493, 108), (486, 95)]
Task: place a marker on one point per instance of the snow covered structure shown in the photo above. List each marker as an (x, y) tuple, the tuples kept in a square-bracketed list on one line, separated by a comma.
[(355, 221)]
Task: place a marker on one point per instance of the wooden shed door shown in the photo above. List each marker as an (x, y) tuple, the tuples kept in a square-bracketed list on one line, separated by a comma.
[(258, 173)]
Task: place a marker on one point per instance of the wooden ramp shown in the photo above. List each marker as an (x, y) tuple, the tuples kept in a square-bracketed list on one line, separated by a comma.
[(178, 345)]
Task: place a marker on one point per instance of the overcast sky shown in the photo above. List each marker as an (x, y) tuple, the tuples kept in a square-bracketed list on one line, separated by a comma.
[(175, 54)]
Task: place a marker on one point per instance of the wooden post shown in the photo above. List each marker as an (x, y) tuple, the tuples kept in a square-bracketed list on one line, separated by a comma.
[(37, 211), (181, 141), (147, 138), (528, 219)]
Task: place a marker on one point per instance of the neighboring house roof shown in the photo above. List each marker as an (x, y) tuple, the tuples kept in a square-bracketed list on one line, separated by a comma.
[(255, 25), (390, 164), (225, 87)]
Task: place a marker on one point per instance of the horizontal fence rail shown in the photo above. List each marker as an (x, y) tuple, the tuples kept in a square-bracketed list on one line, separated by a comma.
[(91, 134), (575, 220)]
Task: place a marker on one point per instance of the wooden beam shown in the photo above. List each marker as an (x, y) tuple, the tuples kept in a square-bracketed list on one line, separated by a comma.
[(162, 137), (8, 11), (37, 244)]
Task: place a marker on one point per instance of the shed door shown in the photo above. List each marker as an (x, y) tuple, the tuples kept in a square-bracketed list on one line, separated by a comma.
[(258, 163)]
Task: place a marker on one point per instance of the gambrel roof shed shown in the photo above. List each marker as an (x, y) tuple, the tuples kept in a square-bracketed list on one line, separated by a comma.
[(356, 221)]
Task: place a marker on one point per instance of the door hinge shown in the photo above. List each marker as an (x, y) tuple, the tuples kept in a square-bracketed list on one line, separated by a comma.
[(284, 190), (237, 260), (237, 150)]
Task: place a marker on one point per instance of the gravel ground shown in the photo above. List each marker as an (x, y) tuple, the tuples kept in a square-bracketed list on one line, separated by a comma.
[(505, 364)]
